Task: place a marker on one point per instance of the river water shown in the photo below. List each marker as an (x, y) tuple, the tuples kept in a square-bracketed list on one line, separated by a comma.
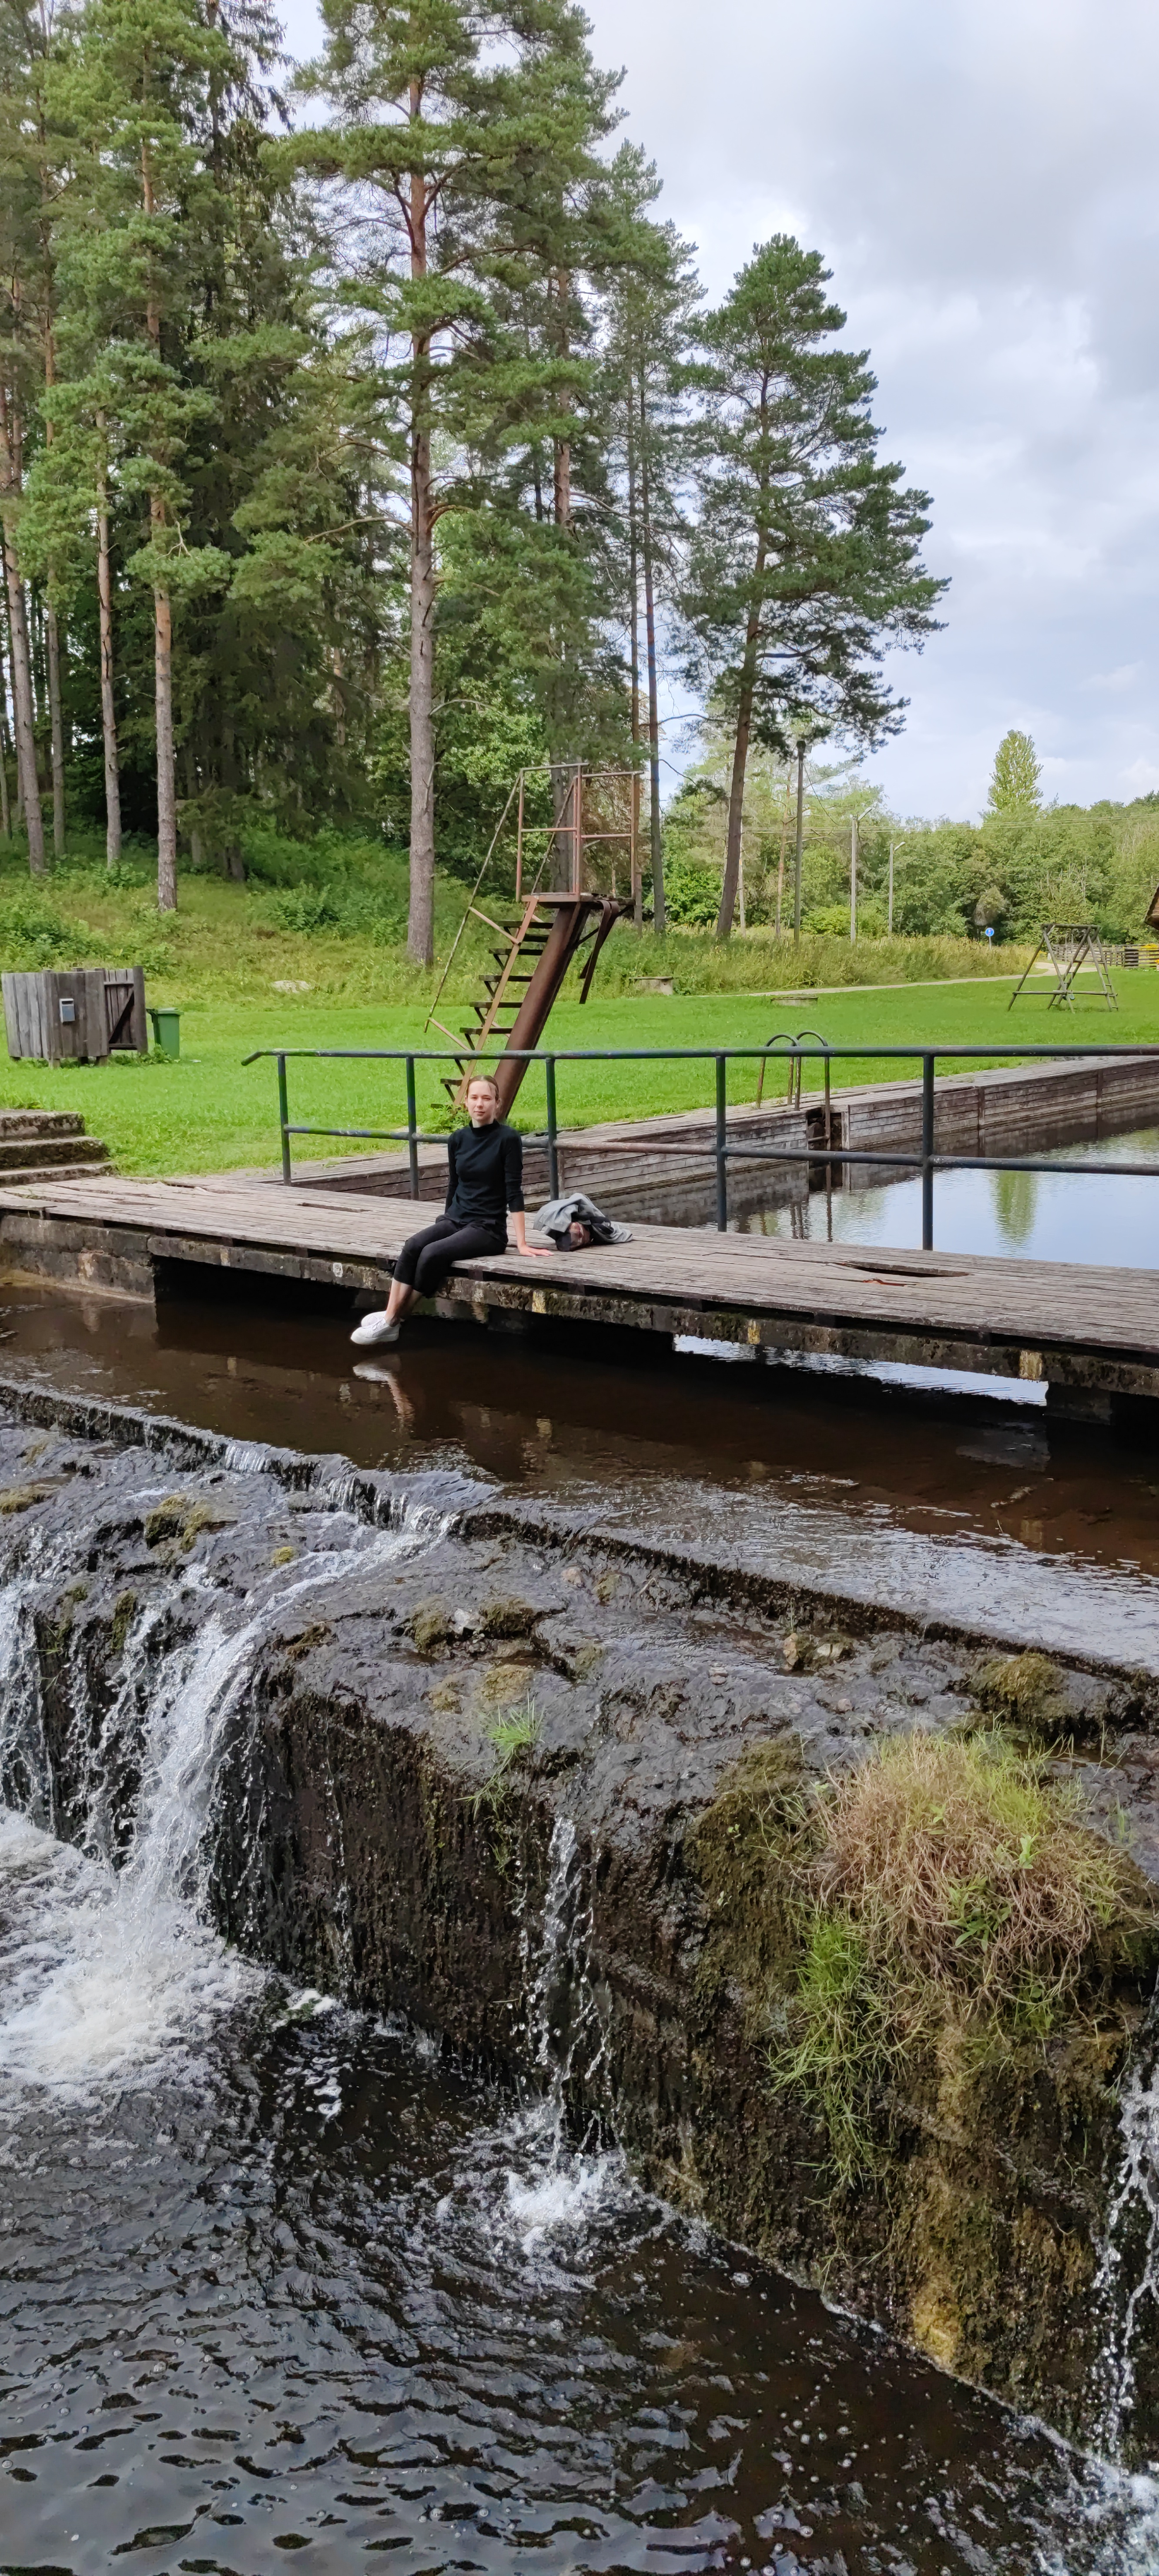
[(1039, 1216), (1015, 1523), (278, 2279)]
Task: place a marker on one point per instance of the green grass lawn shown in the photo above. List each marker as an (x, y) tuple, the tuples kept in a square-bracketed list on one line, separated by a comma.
[(209, 1112)]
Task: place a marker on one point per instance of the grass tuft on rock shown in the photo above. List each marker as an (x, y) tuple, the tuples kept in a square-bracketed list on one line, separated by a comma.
[(972, 1870), (1026, 1692), (949, 1899)]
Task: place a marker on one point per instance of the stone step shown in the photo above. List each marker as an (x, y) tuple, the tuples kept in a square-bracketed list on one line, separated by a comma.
[(57, 1153), (46, 1173), (40, 1122)]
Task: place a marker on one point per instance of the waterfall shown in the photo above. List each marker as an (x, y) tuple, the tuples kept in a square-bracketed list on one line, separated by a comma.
[(555, 2188), (110, 1961), (566, 2034), (1128, 2273)]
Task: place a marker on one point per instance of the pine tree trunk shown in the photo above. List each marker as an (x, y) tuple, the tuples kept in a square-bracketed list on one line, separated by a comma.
[(10, 735), (22, 709), (56, 721), (5, 809), (108, 705), (166, 771), (563, 772), (562, 492), (162, 638), (659, 908), (421, 920), (634, 587), (194, 835), (51, 628), (234, 862), (744, 722), (23, 712)]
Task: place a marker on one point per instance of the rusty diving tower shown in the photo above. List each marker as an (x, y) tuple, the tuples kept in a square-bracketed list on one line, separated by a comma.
[(568, 873)]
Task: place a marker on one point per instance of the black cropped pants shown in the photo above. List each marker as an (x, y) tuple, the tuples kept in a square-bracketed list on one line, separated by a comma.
[(426, 1258)]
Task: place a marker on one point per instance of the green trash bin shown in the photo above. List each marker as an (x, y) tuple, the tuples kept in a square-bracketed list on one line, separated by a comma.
[(166, 1031)]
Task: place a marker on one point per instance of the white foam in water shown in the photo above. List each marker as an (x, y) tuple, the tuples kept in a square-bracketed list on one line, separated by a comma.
[(563, 2196), (96, 1985), (106, 1970)]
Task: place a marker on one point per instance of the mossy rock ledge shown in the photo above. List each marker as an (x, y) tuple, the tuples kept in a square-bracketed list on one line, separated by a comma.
[(366, 1837)]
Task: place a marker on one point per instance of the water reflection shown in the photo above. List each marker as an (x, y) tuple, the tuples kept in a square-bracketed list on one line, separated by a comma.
[(1034, 1214), (1016, 1206)]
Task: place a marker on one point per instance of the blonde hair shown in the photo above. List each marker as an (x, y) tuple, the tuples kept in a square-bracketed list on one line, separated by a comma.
[(487, 1078)]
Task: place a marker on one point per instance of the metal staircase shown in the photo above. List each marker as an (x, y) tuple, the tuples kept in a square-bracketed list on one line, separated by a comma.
[(550, 926)]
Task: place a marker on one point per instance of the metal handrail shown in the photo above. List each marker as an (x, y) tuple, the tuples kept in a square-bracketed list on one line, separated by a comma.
[(925, 1161)]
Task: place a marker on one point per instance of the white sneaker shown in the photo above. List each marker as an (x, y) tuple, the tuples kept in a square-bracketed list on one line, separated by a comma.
[(374, 1328)]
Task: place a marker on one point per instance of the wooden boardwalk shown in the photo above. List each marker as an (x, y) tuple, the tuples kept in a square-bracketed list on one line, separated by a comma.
[(1076, 1327)]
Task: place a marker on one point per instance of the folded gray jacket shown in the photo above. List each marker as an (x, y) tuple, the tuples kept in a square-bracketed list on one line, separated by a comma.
[(555, 1218)]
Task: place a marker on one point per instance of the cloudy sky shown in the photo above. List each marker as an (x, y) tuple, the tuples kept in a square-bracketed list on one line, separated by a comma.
[(981, 176)]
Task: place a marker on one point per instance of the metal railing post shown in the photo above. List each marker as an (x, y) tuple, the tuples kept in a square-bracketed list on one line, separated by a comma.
[(927, 1152), (284, 1119), (721, 1144), (412, 1120), (552, 1147)]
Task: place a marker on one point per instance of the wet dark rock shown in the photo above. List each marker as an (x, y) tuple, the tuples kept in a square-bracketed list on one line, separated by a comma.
[(370, 1836)]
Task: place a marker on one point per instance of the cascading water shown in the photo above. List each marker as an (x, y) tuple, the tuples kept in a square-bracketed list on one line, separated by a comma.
[(275, 2278), (556, 2184), (1127, 2281), (114, 1962)]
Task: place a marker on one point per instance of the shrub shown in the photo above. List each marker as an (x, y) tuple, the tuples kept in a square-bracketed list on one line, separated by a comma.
[(692, 895), (305, 907), (34, 934)]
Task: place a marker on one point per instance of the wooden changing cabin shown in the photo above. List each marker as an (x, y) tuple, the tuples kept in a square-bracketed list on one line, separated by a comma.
[(79, 1017)]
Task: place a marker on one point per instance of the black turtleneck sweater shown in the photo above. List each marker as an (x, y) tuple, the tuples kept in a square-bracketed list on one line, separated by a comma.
[(486, 1174)]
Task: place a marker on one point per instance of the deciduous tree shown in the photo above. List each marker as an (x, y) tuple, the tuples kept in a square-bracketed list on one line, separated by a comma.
[(1014, 785)]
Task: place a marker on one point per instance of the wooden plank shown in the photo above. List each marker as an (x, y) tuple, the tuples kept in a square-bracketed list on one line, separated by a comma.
[(61, 1034), (24, 1016), (96, 1016), (11, 1016), (35, 1018)]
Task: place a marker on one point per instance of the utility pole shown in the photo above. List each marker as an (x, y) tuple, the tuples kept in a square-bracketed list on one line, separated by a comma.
[(856, 819), (800, 844), (891, 889)]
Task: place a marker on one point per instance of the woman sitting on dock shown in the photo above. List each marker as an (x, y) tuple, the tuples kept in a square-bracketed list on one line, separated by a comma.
[(485, 1180)]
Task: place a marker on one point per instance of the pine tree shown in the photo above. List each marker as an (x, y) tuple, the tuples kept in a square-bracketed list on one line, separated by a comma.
[(22, 303), (133, 92), (459, 127), (1014, 785), (652, 297), (805, 561)]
